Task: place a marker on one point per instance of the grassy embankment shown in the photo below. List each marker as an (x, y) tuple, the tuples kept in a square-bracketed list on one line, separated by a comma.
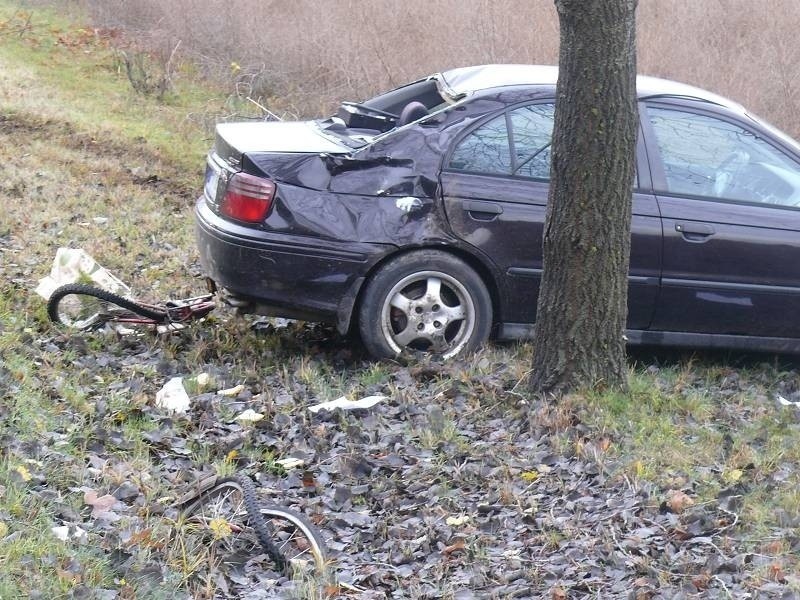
[(85, 162)]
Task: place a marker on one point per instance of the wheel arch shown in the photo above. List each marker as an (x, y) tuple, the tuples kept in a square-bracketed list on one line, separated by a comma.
[(483, 270)]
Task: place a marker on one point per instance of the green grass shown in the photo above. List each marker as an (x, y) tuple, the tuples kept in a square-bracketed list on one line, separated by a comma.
[(79, 79), (80, 142)]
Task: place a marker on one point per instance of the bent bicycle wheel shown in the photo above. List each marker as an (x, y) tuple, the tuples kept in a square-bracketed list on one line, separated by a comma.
[(87, 307), (221, 517), (239, 523), (297, 540)]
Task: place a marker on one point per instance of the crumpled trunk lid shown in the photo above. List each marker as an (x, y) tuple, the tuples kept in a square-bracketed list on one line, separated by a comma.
[(233, 140)]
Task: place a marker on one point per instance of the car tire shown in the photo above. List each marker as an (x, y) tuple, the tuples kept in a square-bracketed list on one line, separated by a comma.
[(424, 301)]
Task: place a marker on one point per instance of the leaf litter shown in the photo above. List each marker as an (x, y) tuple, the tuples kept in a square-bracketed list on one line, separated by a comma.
[(439, 492)]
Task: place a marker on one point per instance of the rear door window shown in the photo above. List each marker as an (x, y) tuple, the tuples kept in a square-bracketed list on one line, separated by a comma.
[(532, 128), (485, 150), (513, 143)]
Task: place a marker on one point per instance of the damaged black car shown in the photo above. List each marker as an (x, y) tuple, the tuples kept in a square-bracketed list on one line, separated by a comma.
[(416, 217)]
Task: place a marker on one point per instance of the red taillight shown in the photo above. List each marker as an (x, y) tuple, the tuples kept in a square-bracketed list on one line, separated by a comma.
[(248, 198)]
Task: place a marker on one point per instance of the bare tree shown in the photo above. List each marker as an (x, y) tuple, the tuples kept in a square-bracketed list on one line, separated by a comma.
[(582, 307)]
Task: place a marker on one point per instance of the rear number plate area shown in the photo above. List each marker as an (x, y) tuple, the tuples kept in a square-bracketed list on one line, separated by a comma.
[(212, 181)]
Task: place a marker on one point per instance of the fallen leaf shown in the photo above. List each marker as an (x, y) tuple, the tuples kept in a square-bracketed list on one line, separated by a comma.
[(733, 475), (99, 504), (231, 392), (24, 473), (249, 416), (701, 581), (220, 528), (457, 520), (776, 573), (145, 539), (308, 480), (456, 546), (677, 501)]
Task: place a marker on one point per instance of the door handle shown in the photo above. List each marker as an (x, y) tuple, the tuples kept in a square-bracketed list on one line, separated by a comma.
[(695, 232), (482, 211)]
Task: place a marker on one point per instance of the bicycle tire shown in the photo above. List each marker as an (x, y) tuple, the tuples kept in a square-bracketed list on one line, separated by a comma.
[(258, 524), (279, 530), (248, 503), (312, 545), (83, 291)]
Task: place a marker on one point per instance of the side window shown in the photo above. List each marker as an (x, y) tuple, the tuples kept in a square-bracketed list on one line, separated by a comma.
[(532, 133), (705, 156), (485, 150), (488, 148)]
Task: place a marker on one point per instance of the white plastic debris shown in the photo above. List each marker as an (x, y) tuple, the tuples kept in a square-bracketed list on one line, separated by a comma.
[(346, 404), (71, 265), (62, 533), (173, 396), (231, 392), (455, 521), (290, 463), (250, 416), (784, 402), (170, 327)]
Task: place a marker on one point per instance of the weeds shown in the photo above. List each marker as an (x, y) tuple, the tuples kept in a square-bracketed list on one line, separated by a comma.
[(149, 73)]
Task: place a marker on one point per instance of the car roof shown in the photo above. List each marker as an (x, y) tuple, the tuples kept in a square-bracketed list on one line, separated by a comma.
[(469, 80)]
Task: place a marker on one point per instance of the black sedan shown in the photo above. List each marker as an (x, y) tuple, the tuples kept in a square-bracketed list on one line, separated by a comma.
[(416, 217)]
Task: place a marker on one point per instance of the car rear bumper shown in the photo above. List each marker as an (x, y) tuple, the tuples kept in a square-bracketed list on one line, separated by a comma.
[(282, 274)]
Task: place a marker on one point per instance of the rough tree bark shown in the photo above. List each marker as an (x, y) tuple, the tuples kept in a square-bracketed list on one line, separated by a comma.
[(582, 307)]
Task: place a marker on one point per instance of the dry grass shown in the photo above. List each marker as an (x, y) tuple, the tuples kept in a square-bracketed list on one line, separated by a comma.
[(306, 55)]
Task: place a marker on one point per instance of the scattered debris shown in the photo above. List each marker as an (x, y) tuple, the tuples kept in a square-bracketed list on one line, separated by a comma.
[(784, 402), (249, 416), (203, 380), (173, 396), (73, 265), (456, 521), (677, 501), (290, 462), (346, 404), (65, 532), (231, 392)]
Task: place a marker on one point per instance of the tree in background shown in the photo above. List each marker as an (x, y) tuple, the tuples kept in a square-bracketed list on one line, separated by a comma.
[(582, 308)]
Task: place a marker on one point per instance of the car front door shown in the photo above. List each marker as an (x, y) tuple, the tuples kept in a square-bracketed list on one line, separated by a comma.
[(730, 203), (495, 185)]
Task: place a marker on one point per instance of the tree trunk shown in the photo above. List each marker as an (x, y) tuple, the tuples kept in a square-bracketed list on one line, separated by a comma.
[(582, 308)]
